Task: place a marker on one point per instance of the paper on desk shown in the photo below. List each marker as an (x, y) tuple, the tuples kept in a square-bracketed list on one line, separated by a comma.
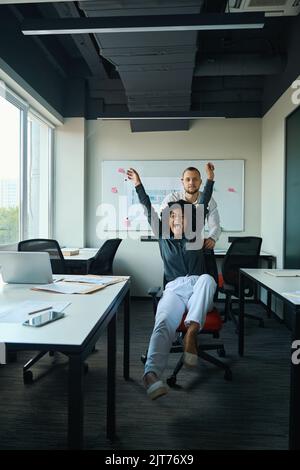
[(284, 272), (18, 312), (2, 353), (62, 287), (99, 281), (69, 286), (294, 296)]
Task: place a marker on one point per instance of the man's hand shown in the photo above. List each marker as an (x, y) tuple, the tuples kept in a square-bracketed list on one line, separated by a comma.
[(209, 243), (134, 176), (209, 168)]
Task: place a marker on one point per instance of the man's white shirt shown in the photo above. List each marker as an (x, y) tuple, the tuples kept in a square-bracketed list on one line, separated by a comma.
[(213, 218)]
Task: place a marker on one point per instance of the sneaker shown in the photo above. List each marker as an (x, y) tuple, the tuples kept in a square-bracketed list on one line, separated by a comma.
[(155, 388)]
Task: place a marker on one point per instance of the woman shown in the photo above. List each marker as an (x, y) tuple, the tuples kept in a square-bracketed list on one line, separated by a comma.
[(188, 286)]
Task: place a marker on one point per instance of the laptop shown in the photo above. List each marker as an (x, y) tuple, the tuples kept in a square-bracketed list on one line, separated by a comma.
[(25, 267)]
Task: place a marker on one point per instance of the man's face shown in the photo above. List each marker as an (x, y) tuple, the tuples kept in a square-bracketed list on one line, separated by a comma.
[(191, 182)]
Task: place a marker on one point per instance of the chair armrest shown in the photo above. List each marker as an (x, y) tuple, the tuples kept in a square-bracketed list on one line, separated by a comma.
[(155, 291)]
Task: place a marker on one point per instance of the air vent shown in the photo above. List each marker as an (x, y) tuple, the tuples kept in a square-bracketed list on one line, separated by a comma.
[(267, 3), (270, 7)]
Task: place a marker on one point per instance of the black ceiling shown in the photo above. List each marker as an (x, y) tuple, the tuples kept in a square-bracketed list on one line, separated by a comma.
[(232, 73)]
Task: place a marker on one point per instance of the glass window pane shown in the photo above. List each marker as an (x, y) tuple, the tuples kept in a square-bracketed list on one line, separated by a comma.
[(38, 178), (10, 122)]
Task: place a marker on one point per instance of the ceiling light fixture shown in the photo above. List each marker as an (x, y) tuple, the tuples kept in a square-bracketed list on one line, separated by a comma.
[(142, 24), (135, 118)]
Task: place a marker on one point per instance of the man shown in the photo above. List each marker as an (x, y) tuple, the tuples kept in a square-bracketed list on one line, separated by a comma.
[(191, 180)]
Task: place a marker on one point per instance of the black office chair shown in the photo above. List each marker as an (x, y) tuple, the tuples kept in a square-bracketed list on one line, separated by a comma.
[(212, 326), (52, 247), (242, 253), (58, 267), (102, 263)]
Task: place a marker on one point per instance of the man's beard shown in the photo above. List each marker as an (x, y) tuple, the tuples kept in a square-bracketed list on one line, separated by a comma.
[(188, 191)]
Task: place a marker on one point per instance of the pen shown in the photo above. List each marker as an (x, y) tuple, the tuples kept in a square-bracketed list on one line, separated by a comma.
[(40, 310)]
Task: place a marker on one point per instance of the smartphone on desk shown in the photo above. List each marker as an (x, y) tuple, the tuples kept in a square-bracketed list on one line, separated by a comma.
[(44, 318)]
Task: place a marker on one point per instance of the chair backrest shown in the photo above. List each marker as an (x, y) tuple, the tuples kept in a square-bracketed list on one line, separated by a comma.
[(103, 260), (52, 247), (242, 253)]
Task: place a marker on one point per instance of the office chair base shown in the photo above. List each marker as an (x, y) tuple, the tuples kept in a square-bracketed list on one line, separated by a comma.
[(171, 381), (213, 360), (27, 377), (144, 358)]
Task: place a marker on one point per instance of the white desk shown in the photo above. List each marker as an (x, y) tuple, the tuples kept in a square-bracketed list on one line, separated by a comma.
[(85, 254), (75, 336), (277, 286)]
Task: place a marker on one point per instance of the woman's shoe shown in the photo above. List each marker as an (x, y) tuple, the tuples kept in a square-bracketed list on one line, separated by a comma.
[(156, 390)]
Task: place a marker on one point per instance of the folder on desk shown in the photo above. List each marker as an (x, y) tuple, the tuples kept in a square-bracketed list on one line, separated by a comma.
[(284, 272), (71, 285)]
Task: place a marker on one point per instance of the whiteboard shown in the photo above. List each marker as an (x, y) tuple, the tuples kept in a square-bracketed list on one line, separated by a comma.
[(160, 177)]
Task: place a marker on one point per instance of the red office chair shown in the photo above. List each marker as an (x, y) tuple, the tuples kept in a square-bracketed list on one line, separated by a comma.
[(212, 326)]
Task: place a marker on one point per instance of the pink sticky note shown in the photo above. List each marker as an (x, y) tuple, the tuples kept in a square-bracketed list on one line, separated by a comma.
[(127, 222), (231, 190), (121, 170), (114, 190)]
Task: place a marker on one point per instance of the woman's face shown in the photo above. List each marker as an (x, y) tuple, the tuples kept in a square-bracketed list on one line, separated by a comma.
[(177, 222)]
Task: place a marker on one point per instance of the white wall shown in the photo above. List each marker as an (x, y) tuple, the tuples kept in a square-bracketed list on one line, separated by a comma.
[(273, 175), (69, 183), (207, 139)]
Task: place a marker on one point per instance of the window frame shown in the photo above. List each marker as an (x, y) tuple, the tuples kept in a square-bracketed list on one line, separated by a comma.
[(25, 111)]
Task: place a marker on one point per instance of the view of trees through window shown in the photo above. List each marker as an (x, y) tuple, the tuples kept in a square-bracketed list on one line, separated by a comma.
[(10, 128)]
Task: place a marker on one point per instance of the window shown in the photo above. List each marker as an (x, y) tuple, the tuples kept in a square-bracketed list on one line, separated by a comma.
[(39, 145), (26, 143), (10, 152)]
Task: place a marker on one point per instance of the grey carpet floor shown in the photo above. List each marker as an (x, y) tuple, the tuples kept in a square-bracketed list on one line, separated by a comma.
[(206, 412)]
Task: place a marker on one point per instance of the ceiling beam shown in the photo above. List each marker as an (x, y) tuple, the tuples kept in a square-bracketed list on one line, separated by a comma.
[(83, 42), (151, 23)]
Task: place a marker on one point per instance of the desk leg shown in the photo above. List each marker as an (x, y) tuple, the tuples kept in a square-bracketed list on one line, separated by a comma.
[(126, 352), (294, 430), (241, 314), (75, 405), (269, 294), (269, 303), (111, 380)]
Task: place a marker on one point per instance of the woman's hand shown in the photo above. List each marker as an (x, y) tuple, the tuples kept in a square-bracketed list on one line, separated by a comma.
[(134, 176), (209, 168)]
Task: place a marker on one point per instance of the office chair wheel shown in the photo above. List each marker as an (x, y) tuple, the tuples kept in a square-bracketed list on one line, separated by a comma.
[(27, 377), (85, 368), (221, 352), (171, 381), (228, 375), (143, 358)]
